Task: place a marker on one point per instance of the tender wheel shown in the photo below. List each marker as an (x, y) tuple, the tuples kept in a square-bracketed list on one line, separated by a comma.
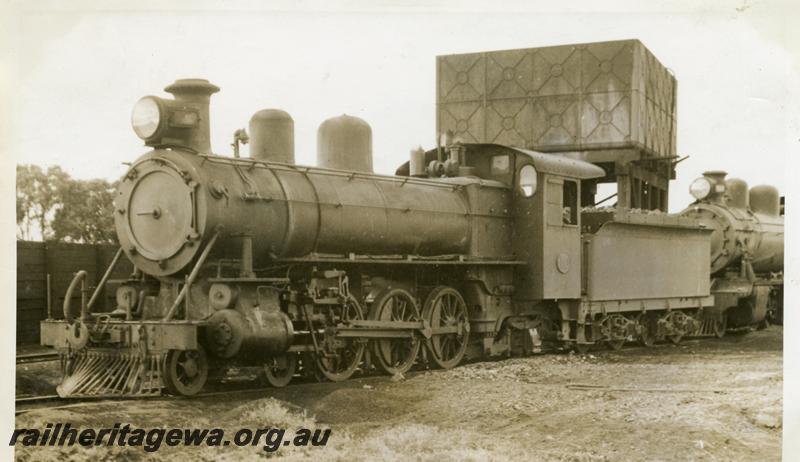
[(185, 371), (675, 339), (614, 329), (648, 336), (445, 308), (340, 357), (395, 355), (280, 370)]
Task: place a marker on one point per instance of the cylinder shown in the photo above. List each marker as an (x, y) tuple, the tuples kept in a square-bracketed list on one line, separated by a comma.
[(249, 335), (765, 199), (345, 143), (416, 163), (272, 136), (738, 195)]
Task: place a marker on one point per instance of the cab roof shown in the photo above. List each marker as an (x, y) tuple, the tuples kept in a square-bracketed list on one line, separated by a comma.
[(546, 163), (560, 165)]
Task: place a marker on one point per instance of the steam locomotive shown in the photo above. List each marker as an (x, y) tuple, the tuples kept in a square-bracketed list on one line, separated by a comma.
[(472, 249)]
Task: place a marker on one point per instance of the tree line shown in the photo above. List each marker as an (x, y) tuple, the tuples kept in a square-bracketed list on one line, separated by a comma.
[(52, 206)]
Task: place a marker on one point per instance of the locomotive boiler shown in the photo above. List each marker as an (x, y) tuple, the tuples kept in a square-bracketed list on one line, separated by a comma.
[(746, 247), (471, 249)]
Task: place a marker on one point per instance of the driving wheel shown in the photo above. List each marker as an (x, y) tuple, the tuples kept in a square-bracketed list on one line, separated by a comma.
[(446, 312), (395, 355)]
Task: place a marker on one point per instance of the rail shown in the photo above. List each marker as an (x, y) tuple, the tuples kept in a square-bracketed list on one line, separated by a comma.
[(37, 357)]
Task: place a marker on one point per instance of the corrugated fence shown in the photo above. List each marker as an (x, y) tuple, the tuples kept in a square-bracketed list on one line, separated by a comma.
[(35, 260)]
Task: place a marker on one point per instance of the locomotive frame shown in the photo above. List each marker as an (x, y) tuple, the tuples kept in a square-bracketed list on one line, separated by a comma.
[(317, 308)]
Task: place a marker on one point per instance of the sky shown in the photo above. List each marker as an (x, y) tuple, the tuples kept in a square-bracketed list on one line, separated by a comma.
[(79, 72)]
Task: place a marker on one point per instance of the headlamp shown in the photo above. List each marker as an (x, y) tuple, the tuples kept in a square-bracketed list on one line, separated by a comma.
[(700, 188), (147, 117)]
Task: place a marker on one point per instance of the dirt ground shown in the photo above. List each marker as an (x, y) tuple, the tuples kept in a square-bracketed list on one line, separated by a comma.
[(709, 400)]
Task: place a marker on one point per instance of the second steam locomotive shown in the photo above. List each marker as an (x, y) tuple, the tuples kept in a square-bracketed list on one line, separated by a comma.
[(472, 249)]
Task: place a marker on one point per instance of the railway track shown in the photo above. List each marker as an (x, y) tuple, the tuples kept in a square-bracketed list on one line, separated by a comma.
[(25, 404), (37, 357)]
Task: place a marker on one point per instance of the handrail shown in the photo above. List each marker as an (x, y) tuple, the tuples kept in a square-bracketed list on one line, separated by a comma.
[(80, 277), (105, 277), (192, 277)]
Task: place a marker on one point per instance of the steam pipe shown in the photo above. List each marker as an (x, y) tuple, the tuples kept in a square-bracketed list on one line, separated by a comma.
[(192, 277), (105, 277), (80, 277)]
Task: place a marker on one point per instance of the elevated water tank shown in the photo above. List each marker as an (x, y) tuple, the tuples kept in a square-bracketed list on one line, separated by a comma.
[(345, 143), (738, 196), (272, 136), (765, 199)]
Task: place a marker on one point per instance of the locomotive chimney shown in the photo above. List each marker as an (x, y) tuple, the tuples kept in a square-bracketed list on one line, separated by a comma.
[(717, 180), (193, 96)]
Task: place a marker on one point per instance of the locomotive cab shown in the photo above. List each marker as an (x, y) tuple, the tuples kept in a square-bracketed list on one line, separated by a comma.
[(546, 194), (547, 229)]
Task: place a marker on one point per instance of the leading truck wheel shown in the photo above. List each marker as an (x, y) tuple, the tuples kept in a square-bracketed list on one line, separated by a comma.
[(185, 371), (445, 309), (280, 370)]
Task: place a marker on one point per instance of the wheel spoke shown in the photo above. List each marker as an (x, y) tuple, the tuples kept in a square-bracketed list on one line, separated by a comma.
[(395, 355), (446, 308)]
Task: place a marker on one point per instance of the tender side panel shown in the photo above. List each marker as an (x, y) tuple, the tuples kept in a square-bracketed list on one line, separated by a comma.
[(633, 261)]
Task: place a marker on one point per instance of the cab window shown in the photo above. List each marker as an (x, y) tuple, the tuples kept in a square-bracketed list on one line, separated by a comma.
[(500, 165), (569, 206), (527, 180)]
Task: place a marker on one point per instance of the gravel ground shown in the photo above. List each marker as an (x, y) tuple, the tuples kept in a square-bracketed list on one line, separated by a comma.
[(713, 400)]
